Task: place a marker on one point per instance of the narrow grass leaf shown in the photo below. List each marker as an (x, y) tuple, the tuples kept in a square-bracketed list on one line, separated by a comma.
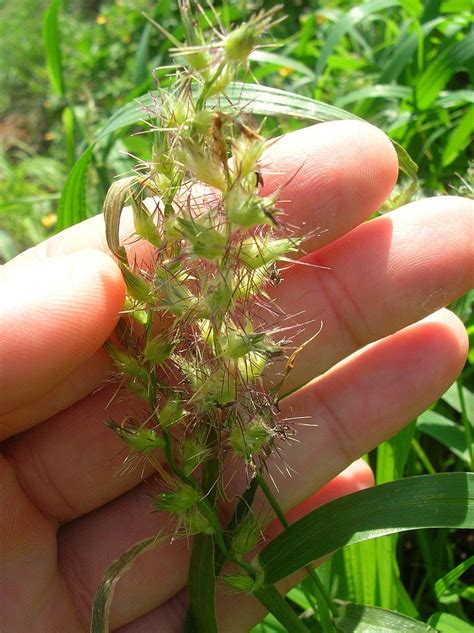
[(451, 396), (448, 623), (360, 571), (342, 26), (202, 585), (391, 459), (72, 204), (434, 78), (403, 52), (8, 248), (455, 98), (378, 91), (281, 61), (68, 128), (445, 582), (254, 99), (251, 97), (269, 625), (357, 618), (274, 602), (104, 596), (441, 500), (444, 431), (52, 42), (459, 138), (464, 306), (140, 72)]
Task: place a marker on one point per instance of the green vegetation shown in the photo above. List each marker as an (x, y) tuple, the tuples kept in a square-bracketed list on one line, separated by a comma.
[(68, 100)]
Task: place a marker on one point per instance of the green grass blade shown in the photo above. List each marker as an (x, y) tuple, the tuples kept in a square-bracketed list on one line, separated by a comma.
[(52, 39), (68, 128), (341, 27), (459, 138), (8, 248), (448, 623), (360, 572), (446, 581), (202, 585), (464, 306), (281, 61), (252, 97), (451, 396), (72, 204), (357, 618), (378, 91), (434, 78), (442, 500), (391, 459), (274, 602), (444, 431), (140, 72)]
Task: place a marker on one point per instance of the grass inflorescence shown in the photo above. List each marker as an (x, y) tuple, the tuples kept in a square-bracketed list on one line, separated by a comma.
[(194, 344)]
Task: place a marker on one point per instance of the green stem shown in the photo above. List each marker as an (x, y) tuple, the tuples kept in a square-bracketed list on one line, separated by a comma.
[(323, 600), (208, 85), (466, 423), (423, 457), (202, 579), (274, 602)]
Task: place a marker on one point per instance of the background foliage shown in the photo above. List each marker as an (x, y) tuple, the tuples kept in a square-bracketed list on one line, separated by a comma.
[(406, 66)]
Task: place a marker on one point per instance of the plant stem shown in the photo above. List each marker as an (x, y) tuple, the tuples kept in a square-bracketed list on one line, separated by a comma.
[(202, 580), (324, 603), (274, 602), (466, 423)]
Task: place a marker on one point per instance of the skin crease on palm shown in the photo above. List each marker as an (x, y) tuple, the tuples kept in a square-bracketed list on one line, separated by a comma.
[(385, 352)]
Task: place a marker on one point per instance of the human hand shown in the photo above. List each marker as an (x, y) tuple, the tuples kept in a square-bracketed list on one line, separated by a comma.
[(376, 364)]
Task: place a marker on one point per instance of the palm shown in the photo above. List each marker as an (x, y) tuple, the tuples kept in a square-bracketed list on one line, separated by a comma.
[(66, 514)]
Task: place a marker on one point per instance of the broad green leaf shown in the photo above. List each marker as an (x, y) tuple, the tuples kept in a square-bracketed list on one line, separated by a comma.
[(434, 78), (448, 623), (442, 500), (446, 581), (357, 618), (72, 204), (52, 42), (105, 593), (445, 431), (459, 138)]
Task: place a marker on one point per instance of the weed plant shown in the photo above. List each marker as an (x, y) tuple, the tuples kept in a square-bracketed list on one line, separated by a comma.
[(406, 66)]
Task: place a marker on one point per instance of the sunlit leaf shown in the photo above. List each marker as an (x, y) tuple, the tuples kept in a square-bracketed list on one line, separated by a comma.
[(356, 618), (442, 500)]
